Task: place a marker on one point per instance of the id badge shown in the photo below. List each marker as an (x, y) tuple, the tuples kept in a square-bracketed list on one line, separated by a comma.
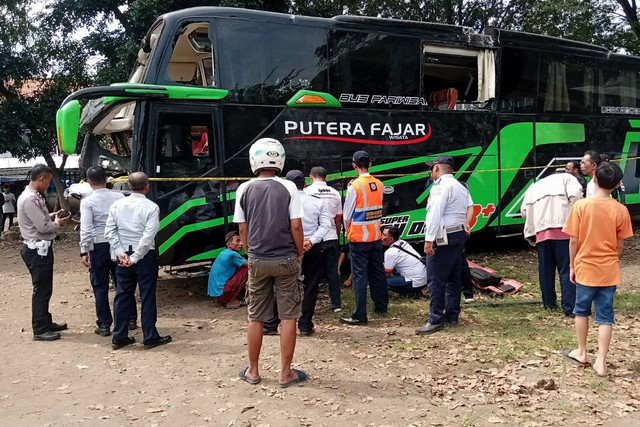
[(441, 238), (42, 247)]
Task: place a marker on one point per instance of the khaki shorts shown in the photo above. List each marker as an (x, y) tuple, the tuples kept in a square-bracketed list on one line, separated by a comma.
[(274, 281)]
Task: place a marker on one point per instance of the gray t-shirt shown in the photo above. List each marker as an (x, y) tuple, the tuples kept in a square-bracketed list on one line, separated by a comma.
[(267, 205)]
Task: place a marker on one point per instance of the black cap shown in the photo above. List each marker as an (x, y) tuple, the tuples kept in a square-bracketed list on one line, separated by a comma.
[(295, 176), (442, 160), (361, 157), (229, 235)]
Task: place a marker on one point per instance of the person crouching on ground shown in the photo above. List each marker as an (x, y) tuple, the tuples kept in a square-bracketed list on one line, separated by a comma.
[(229, 273), (406, 273), (598, 226)]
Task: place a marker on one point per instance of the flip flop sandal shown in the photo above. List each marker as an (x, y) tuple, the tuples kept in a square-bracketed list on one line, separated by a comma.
[(302, 376), (565, 354), (243, 376)]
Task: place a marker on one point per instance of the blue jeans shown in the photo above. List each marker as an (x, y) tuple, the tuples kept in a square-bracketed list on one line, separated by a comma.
[(601, 297), (444, 279), (144, 273), (399, 284), (552, 255), (367, 266)]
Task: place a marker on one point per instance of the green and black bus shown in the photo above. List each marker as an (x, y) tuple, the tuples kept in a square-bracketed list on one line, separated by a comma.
[(208, 82)]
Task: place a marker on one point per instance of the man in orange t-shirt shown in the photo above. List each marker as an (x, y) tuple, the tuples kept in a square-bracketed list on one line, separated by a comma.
[(598, 226)]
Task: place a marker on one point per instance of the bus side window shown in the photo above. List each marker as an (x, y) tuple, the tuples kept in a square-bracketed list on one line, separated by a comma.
[(377, 65), (191, 61), (269, 63), (566, 84), (618, 85), (518, 80), (458, 78)]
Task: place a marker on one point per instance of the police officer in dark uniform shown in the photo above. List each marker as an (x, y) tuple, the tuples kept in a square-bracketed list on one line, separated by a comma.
[(38, 229), (446, 228)]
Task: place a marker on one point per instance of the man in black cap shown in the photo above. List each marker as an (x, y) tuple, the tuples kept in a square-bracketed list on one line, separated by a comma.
[(449, 211), (229, 273), (362, 213)]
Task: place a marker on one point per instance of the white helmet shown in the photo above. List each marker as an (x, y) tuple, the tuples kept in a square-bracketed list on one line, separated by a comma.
[(266, 153)]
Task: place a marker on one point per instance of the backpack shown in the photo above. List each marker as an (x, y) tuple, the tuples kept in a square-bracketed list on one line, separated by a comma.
[(482, 278)]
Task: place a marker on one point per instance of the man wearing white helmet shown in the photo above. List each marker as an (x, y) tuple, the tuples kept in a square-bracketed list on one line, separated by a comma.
[(269, 216)]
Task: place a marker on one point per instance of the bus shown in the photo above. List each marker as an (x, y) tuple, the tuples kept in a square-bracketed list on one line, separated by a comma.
[(207, 82)]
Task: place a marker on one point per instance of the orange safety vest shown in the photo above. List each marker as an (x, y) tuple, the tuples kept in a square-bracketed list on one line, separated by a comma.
[(365, 222)]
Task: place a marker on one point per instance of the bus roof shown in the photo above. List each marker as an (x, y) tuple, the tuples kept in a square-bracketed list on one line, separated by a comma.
[(442, 33)]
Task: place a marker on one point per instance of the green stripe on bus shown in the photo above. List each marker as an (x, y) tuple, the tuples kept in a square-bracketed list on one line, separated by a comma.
[(188, 229), (634, 123), (206, 255), (182, 209)]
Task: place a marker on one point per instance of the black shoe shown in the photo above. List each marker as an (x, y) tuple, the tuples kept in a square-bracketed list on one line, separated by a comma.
[(380, 311), (128, 341), (352, 321), (308, 333), (159, 341), (266, 331), (46, 336), (452, 322), (103, 330), (54, 327), (132, 325), (429, 328)]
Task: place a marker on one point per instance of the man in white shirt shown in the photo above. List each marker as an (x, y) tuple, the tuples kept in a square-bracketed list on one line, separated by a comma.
[(588, 166), (95, 251), (131, 229), (315, 224), (446, 226), (330, 246), (406, 273)]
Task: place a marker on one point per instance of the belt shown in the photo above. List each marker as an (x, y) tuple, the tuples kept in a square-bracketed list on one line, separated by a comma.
[(31, 243), (454, 228)]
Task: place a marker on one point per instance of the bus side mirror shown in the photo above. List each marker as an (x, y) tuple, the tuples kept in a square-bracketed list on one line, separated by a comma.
[(67, 124)]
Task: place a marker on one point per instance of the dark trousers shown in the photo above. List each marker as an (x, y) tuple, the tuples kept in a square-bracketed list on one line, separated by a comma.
[(4, 218), (41, 269), (465, 275), (331, 252), (444, 279), (552, 255), (145, 274), (367, 266), (311, 270)]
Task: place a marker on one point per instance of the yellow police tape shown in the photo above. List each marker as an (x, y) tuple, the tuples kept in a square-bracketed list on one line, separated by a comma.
[(394, 175)]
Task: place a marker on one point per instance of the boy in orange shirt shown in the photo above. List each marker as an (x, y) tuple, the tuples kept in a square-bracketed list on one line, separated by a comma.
[(598, 226)]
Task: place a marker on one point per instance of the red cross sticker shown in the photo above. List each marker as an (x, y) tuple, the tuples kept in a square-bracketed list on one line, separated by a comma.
[(486, 212)]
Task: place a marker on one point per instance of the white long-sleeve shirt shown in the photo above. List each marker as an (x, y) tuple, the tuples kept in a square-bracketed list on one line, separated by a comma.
[(447, 205), (94, 211), (133, 221), (315, 220)]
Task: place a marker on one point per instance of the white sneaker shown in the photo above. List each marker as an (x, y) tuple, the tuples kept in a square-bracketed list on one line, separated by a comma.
[(468, 300), (337, 310)]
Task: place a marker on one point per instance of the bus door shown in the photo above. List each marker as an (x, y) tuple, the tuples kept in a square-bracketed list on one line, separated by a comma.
[(184, 154)]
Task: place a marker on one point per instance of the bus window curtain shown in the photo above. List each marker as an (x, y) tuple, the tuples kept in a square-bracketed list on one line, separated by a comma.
[(627, 88), (556, 97), (589, 84), (486, 75)]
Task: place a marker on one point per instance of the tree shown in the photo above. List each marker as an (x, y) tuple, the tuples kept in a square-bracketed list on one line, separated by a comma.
[(37, 70)]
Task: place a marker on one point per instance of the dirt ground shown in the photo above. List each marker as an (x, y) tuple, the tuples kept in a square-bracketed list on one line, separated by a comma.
[(481, 373)]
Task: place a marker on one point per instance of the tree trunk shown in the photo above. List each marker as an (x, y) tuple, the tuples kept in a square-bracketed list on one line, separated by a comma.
[(57, 181), (631, 13)]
